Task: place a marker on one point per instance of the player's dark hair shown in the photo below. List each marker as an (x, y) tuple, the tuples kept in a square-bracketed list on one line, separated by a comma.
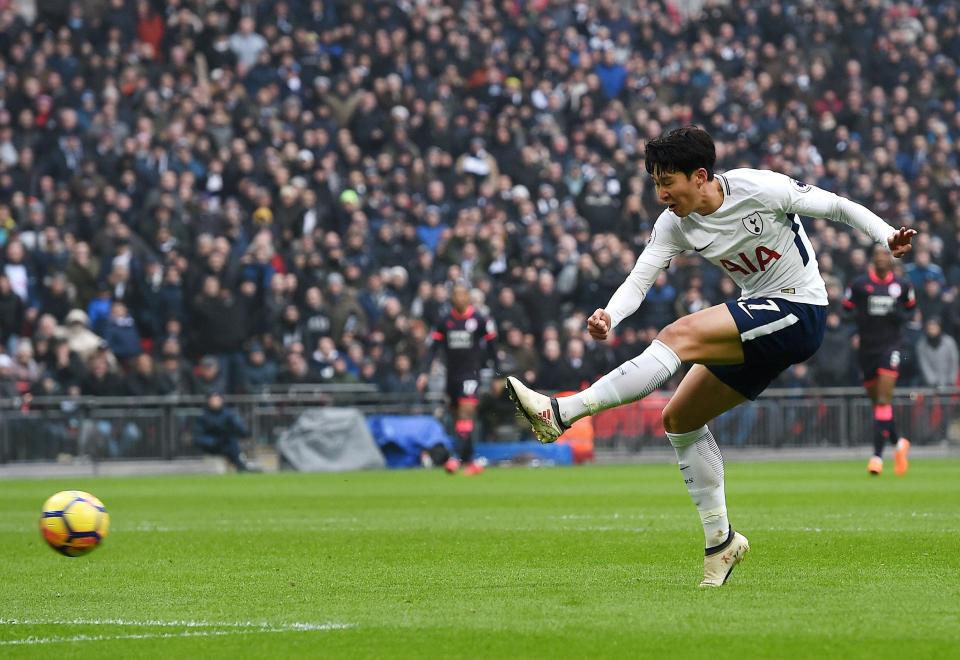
[(685, 150)]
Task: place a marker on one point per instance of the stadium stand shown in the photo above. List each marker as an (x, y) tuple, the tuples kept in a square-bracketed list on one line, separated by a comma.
[(201, 195)]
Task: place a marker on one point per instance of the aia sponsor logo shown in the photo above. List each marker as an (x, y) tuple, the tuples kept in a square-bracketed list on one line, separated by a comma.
[(741, 263)]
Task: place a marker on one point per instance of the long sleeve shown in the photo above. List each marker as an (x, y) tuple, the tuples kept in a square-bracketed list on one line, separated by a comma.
[(664, 245), (819, 203)]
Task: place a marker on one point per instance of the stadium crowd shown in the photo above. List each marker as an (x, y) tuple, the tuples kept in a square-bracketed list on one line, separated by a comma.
[(223, 195)]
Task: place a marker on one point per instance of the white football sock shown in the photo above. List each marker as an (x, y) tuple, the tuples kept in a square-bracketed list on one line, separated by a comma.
[(629, 382), (701, 466)]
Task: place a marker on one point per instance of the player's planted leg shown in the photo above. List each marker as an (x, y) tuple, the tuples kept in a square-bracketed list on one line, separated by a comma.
[(701, 467), (701, 397)]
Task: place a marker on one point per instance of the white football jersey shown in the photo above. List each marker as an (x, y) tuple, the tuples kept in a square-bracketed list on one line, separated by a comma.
[(755, 236)]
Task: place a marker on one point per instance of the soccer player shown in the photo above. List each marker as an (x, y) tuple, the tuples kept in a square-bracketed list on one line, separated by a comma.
[(880, 302), (468, 340), (746, 222)]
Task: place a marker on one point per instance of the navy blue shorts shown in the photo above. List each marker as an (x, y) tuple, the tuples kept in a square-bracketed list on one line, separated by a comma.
[(776, 333)]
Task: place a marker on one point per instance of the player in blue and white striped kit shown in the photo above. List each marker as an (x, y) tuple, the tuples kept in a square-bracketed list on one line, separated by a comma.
[(746, 222)]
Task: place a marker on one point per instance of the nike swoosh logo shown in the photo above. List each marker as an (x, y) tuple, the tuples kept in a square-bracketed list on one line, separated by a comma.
[(704, 247), (684, 468)]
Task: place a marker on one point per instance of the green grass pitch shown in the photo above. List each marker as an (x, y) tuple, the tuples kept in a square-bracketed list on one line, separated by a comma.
[(593, 562)]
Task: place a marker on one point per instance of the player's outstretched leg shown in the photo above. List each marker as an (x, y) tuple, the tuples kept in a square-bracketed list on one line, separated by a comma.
[(550, 417), (710, 335)]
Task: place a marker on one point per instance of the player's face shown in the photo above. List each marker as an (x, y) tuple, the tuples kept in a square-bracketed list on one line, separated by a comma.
[(460, 298), (882, 260), (679, 192)]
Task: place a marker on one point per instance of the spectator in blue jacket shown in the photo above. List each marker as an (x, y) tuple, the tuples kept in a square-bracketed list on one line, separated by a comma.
[(218, 431), (612, 74), (121, 334), (259, 371)]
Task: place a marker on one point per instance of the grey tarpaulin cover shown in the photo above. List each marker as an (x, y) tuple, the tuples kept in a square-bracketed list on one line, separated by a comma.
[(330, 440)]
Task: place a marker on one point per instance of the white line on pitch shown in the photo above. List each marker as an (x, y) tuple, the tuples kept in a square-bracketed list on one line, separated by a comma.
[(235, 629)]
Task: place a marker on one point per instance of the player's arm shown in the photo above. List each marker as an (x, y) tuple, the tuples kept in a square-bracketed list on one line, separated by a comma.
[(436, 340), (489, 331), (665, 243), (851, 299), (908, 300), (819, 203)]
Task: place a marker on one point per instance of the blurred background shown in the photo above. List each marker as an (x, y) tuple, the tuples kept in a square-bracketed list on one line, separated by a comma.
[(270, 200)]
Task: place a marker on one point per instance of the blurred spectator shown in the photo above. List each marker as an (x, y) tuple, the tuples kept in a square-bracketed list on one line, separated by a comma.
[(923, 270), (296, 371), (82, 273), (143, 380), (219, 429), (121, 333), (323, 358), (508, 313), (833, 365), (64, 365), (498, 416), (631, 344), (176, 376), (259, 372), (797, 377), (12, 312), (346, 314), (316, 319), (81, 341), (8, 382), (659, 306), (210, 376), (55, 298), (100, 381), (517, 357), (26, 371), (554, 373), (402, 379), (938, 357)]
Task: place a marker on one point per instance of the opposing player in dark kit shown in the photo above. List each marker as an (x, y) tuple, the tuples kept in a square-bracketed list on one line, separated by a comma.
[(880, 302), (746, 222), (467, 338)]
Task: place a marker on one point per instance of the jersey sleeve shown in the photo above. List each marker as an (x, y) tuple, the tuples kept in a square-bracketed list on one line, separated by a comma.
[(793, 196), (850, 297), (908, 297), (487, 329), (665, 243)]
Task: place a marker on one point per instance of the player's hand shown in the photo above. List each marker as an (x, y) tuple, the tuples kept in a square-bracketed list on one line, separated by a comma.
[(599, 324), (900, 241)]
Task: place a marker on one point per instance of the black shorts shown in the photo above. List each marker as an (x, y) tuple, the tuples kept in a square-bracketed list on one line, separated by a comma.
[(874, 363), (776, 333), (463, 388)]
